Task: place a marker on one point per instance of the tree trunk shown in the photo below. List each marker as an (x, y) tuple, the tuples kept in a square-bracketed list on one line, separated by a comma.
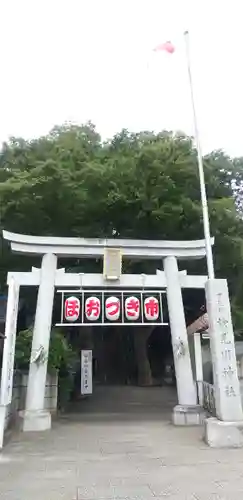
[(143, 365)]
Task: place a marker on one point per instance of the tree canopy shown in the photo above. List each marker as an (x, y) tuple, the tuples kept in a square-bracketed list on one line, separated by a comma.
[(144, 185)]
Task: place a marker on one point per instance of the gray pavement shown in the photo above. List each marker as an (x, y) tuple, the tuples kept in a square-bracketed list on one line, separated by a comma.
[(119, 445)]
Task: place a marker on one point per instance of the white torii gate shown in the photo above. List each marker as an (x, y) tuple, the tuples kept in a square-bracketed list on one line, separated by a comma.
[(48, 277)]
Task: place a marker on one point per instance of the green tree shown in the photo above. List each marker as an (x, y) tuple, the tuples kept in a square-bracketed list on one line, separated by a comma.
[(143, 185)]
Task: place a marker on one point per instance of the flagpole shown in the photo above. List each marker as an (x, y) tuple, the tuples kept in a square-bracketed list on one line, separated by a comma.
[(206, 225)]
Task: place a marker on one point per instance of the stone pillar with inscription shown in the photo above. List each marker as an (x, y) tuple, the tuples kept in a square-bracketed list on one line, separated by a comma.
[(225, 429), (8, 353)]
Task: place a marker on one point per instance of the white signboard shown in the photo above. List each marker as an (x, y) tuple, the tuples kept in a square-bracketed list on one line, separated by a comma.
[(86, 372), (9, 343)]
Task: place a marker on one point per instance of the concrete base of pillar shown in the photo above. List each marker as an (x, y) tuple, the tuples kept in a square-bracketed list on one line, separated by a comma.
[(188, 415), (219, 434), (34, 421)]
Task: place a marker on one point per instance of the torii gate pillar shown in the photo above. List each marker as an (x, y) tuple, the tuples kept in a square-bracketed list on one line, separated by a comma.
[(187, 412), (35, 418)]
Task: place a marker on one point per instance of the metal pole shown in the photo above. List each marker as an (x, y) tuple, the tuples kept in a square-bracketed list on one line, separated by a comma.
[(209, 253)]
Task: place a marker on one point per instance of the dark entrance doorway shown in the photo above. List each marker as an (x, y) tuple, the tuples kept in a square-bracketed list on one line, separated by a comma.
[(117, 358)]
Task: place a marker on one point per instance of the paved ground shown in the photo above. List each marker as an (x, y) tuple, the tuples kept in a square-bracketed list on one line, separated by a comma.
[(126, 450)]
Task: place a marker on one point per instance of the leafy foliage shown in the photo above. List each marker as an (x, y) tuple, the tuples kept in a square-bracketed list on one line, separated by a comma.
[(141, 185), (60, 352)]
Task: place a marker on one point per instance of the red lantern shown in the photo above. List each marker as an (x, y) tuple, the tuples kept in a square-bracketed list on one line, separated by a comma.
[(72, 309), (92, 308), (132, 308), (151, 309), (112, 308)]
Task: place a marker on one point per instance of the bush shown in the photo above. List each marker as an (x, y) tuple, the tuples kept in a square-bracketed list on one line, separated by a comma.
[(62, 358), (61, 353)]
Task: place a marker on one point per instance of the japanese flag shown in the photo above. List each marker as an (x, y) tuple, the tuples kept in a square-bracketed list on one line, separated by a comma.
[(165, 47)]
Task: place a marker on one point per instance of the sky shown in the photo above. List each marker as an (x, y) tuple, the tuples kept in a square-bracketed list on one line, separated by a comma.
[(80, 60)]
